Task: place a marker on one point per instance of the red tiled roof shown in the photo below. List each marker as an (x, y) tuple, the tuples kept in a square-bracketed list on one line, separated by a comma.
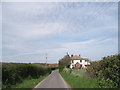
[(55, 65), (79, 58)]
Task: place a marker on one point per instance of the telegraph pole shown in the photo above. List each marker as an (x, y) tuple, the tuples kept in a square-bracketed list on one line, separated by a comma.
[(46, 59)]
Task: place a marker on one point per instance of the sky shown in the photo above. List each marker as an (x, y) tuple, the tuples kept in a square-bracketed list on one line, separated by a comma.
[(0, 32), (30, 30)]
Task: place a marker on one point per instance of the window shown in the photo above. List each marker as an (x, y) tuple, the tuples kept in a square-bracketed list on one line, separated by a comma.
[(80, 60)]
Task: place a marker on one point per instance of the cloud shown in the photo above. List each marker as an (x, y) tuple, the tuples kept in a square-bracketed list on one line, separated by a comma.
[(31, 29), (38, 31), (21, 21), (93, 49)]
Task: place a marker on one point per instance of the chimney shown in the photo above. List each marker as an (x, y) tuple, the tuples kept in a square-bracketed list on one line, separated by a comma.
[(72, 55)]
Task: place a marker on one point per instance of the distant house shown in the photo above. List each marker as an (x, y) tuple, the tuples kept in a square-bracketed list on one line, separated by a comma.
[(52, 65), (78, 62)]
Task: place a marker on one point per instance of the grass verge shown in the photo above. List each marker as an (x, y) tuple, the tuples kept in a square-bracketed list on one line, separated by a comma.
[(79, 81), (29, 83)]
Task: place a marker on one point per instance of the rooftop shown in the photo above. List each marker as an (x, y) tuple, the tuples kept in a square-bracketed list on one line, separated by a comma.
[(78, 58)]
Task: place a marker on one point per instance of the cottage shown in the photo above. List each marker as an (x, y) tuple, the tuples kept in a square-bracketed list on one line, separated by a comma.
[(78, 62)]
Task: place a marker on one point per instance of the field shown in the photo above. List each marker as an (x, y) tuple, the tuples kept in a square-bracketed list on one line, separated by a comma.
[(13, 74)]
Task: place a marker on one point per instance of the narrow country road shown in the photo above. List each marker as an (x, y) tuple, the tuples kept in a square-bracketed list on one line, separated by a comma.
[(54, 80)]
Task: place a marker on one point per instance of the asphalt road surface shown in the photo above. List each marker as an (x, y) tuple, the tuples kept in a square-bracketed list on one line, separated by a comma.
[(54, 80)]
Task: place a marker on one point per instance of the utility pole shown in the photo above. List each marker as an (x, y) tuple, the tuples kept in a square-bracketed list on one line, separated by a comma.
[(46, 59)]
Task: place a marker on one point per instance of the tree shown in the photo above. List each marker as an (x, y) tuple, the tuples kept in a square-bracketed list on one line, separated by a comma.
[(65, 61)]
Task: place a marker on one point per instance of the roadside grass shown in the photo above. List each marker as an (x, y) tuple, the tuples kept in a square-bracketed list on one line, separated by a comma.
[(29, 83), (79, 72), (77, 79)]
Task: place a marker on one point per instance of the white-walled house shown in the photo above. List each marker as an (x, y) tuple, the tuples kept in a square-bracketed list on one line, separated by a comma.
[(78, 62)]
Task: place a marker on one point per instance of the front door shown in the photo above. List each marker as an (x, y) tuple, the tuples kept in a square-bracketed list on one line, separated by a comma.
[(78, 65)]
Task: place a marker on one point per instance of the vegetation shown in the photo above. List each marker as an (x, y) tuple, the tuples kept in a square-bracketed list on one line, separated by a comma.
[(76, 80), (100, 74), (106, 70), (29, 82), (64, 62), (14, 73)]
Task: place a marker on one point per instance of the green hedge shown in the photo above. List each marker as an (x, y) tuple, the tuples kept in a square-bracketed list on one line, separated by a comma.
[(106, 70), (13, 73)]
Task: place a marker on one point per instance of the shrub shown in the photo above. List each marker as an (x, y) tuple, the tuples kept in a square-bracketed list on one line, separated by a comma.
[(64, 62), (92, 70), (13, 73), (106, 70)]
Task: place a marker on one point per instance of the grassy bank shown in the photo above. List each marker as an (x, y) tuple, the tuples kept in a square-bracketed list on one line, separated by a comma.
[(78, 79), (29, 83)]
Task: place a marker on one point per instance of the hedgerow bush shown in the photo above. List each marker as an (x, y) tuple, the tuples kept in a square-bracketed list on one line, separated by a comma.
[(106, 70), (13, 73), (92, 70)]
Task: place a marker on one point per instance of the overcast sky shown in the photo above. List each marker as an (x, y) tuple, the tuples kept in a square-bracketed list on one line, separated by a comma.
[(30, 30)]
